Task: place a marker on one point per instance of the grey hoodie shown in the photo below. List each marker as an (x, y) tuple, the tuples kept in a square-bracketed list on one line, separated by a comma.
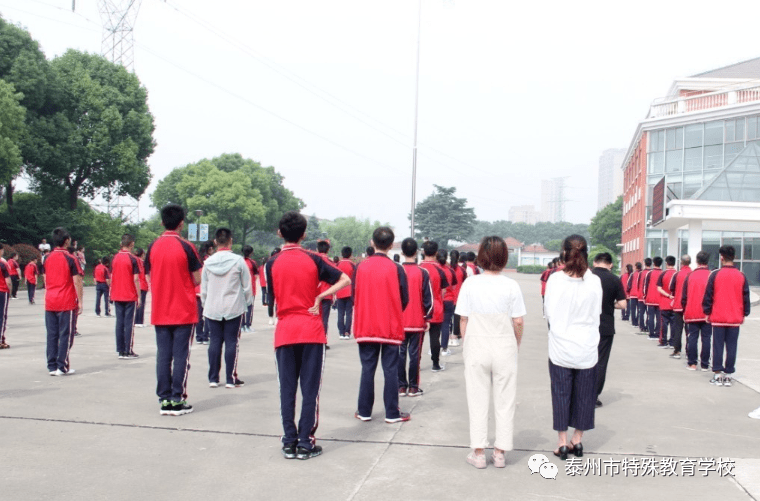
[(226, 288)]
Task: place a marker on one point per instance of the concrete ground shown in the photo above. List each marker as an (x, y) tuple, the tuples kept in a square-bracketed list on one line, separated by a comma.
[(98, 434)]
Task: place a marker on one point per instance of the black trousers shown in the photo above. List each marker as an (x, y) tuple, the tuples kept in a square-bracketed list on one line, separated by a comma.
[(223, 332), (304, 363), (325, 311), (677, 331), (173, 360), (653, 321), (435, 343), (573, 397), (699, 331), (345, 315), (642, 315), (388, 354), (457, 330), (14, 285), (605, 347), (668, 319), (30, 289), (412, 345), (625, 314)]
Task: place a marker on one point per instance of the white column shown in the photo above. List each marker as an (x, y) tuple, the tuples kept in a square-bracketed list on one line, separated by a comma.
[(695, 238), (673, 249)]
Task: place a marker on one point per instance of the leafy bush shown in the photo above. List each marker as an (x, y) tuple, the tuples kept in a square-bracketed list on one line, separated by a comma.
[(533, 269), (26, 253)]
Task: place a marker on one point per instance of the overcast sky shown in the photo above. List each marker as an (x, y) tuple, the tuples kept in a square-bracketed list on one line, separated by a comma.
[(510, 92)]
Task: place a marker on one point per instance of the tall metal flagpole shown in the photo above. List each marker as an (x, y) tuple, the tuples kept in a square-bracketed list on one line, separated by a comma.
[(416, 106)]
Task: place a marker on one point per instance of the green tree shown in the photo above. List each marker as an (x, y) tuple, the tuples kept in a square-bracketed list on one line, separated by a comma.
[(443, 217), (314, 233), (97, 134), (553, 245), (606, 227), (11, 129), (598, 249), (351, 232)]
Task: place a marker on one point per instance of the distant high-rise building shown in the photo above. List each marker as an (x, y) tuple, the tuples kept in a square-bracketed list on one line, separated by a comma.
[(524, 214), (610, 176), (553, 200)]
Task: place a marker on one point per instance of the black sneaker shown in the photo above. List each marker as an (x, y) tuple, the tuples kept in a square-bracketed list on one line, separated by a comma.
[(166, 408), (131, 355), (598, 403), (289, 450), (304, 453), (437, 368), (237, 384), (180, 408), (122, 356)]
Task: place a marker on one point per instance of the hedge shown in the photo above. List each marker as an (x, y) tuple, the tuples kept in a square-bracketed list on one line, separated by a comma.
[(534, 269)]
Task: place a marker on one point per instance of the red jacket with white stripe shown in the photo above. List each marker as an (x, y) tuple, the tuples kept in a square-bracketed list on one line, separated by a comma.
[(438, 282), (676, 284), (666, 303), (693, 293), (420, 306), (381, 293), (651, 294), (726, 300), (633, 285)]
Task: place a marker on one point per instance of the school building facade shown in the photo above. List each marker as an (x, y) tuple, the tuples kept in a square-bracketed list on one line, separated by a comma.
[(691, 174)]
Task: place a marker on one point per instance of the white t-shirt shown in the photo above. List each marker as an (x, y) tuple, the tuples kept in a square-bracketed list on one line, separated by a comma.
[(572, 307), (490, 302), (43, 247)]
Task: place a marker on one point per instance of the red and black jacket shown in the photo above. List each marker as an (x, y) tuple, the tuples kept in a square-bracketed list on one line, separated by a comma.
[(726, 300), (623, 280), (451, 278), (438, 282), (693, 293), (544, 278), (420, 306), (381, 293), (349, 268), (676, 284), (666, 303), (643, 284)]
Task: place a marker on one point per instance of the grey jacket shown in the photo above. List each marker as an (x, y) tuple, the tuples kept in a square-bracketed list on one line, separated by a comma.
[(226, 288)]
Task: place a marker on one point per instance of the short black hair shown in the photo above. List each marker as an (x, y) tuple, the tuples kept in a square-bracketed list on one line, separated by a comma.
[(206, 246), (172, 216), (247, 250), (629, 268), (430, 248), (346, 252), (223, 236), (397, 258), (127, 240), (292, 226), (323, 246), (703, 258), (383, 237), (105, 261), (728, 253), (670, 260), (657, 261), (139, 251), (441, 257), (370, 251), (60, 236), (648, 262), (471, 256), (638, 265), (603, 257), (409, 247), (453, 257)]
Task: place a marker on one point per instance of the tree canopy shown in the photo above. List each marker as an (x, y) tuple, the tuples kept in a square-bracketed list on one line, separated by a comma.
[(97, 133), (542, 233), (606, 226), (232, 191), (443, 217), (350, 232), (12, 127)]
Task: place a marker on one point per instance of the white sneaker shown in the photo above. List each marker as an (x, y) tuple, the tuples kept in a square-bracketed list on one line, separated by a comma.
[(59, 372), (271, 321), (453, 342), (213, 385), (755, 414), (446, 353), (139, 325)]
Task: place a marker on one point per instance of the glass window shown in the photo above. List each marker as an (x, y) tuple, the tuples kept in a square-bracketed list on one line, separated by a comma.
[(752, 272), (711, 244), (679, 138), (732, 151), (713, 157), (713, 133), (674, 161), (751, 128), (751, 249), (735, 242), (656, 163), (655, 247), (693, 135), (673, 191), (730, 130), (693, 159), (692, 182), (740, 129)]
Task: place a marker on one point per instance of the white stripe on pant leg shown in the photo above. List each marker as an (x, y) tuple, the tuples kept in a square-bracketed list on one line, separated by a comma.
[(312, 438), (5, 316), (132, 337), (187, 362), (237, 349), (68, 341)]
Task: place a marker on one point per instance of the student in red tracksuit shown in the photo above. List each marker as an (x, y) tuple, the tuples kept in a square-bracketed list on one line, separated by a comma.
[(632, 289), (381, 294), (624, 280), (448, 302), (5, 297), (343, 297), (14, 270), (694, 316), (438, 283), (144, 288), (666, 296), (643, 310), (726, 303), (652, 300), (263, 281), (676, 285), (416, 316), (31, 271), (460, 272), (253, 269), (544, 277), (125, 284), (102, 286), (323, 247)]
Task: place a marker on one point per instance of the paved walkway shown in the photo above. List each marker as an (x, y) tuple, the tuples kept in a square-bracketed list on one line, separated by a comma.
[(98, 434)]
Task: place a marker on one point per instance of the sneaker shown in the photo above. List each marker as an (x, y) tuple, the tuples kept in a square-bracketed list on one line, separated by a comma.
[(755, 414), (691, 368), (402, 416), (131, 355), (402, 392), (237, 384), (213, 384), (446, 353), (437, 368), (362, 418), (717, 380), (304, 453), (98, 315), (499, 460), (655, 338), (271, 321), (166, 408), (289, 450), (180, 408), (122, 356), (327, 346), (59, 372), (53, 373), (454, 342), (109, 315), (415, 392), (139, 325), (477, 460), (4, 346), (663, 345), (676, 355), (726, 380), (705, 369)]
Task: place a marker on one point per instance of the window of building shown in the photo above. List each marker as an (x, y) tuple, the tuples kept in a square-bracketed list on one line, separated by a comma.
[(711, 244)]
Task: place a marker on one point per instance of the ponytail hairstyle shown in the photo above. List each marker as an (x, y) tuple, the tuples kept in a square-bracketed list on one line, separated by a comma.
[(441, 256), (454, 259), (575, 255)]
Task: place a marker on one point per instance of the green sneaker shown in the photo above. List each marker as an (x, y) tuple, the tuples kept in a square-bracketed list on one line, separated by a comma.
[(180, 408), (166, 407)]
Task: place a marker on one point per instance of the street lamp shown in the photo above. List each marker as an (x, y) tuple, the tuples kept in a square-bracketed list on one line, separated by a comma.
[(416, 106)]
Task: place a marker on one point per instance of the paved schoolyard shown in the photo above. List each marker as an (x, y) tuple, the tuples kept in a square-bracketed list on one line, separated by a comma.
[(98, 435)]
